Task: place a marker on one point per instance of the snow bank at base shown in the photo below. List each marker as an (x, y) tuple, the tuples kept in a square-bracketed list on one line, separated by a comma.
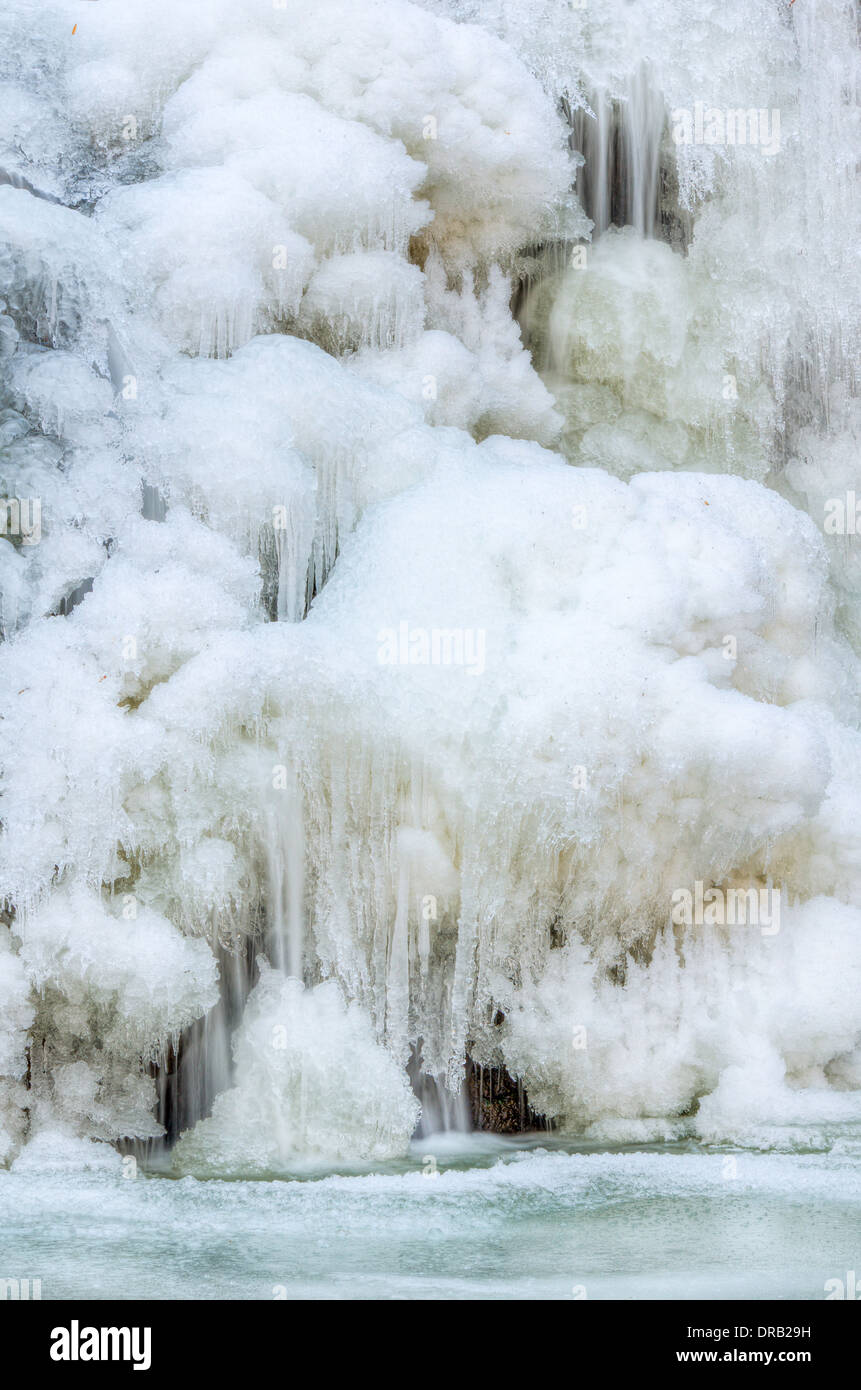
[(312, 1083), (758, 1025), (53, 1151)]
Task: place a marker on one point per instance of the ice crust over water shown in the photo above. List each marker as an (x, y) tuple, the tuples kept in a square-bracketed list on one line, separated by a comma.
[(263, 366)]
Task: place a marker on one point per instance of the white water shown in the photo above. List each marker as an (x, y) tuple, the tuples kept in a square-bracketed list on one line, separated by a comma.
[(262, 374)]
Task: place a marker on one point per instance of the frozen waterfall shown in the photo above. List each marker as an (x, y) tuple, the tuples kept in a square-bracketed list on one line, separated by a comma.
[(430, 575)]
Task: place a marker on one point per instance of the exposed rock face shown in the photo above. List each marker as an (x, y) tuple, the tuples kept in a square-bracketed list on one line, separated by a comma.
[(499, 1104)]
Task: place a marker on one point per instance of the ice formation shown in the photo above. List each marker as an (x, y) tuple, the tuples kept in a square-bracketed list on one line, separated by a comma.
[(427, 561), (311, 1081)]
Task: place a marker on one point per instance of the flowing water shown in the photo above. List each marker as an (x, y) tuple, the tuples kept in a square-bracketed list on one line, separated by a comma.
[(484, 1220)]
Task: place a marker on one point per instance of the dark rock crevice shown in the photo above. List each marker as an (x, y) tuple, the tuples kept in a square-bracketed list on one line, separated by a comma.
[(498, 1102)]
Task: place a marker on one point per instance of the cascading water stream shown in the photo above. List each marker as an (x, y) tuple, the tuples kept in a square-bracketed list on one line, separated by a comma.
[(620, 136), (285, 859)]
